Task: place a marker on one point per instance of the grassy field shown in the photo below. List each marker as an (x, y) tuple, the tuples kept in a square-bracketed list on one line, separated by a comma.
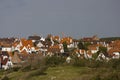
[(61, 73)]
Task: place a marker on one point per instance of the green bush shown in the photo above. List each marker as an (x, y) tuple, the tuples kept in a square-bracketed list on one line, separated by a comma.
[(96, 64), (5, 78), (16, 68), (80, 62), (113, 76), (97, 77), (114, 64), (26, 68), (35, 61), (54, 61)]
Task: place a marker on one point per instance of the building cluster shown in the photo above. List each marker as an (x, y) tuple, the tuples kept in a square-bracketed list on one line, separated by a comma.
[(17, 50)]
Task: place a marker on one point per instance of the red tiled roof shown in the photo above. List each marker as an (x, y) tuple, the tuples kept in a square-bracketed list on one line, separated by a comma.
[(66, 39)]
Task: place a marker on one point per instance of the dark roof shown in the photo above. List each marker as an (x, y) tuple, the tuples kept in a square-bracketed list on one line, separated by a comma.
[(7, 40), (34, 38)]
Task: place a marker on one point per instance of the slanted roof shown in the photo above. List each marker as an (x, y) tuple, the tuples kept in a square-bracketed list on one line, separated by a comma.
[(35, 37), (68, 40)]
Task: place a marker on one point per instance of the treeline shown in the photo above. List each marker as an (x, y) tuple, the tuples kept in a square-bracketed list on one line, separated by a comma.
[(110, 38)]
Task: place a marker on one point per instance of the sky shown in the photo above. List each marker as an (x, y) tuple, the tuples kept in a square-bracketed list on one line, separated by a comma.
[(75, 18)]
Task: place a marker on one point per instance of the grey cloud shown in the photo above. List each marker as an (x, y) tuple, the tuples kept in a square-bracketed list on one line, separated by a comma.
[(73, 17)]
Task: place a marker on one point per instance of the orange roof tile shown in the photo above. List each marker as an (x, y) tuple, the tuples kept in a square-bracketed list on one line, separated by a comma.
[(68, 40), (56, 38)]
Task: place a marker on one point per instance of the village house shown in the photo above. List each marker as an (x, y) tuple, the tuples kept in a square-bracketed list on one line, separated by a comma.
[(53, 50), (83, 54), (90, 39), (15, 51), (103, 56), (114, 49), (68, 41), (24, 45), (5, 60), (93, 48)]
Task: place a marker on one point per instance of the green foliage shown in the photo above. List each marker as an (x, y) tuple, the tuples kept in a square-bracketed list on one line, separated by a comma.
[(86, 44), (16, 68), (48, 37), (33, 73), (112, 76), (80, 62), (5, 78), (81, 45), (103, 49), (89, 63), (56, 42), (65, 47), (26, 68), (110, 39), (97, 77), (94, 56), (35, 62), (96, 64), (54, 61), (114, 63)]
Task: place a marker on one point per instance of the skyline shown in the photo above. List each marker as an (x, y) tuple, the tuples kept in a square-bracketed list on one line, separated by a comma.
[(76, 18)]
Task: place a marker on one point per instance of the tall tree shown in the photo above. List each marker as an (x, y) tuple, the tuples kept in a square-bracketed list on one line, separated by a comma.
[(81, 45), (103, 49), (65, 47)]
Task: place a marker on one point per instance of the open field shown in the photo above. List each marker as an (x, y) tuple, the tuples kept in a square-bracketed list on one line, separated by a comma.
[(64, 73)]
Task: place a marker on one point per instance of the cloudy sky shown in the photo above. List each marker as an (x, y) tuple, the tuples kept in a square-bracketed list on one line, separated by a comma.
[(76, 18)]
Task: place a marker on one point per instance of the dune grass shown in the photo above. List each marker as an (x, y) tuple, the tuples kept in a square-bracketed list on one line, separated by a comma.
[(62, 73)]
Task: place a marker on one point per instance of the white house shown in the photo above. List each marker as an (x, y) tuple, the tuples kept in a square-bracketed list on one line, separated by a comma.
[(116, 55), (9, 49), (102, 56)]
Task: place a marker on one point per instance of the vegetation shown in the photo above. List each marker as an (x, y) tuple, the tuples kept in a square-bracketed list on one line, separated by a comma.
[(110, 39), (65, 47), (54, 61), (84, 45), (55, 68), (103, 49), (81, 45)]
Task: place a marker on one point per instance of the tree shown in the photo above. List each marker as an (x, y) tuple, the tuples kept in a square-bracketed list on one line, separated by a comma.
[(80, 45), (86, 44), (83, 46), (102, 49), (65, 47)]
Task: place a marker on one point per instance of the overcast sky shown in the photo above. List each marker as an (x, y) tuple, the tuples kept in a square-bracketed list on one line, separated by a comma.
[(76, 18)]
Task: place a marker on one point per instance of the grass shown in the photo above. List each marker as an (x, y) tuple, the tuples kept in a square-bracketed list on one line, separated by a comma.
[(61, 73)]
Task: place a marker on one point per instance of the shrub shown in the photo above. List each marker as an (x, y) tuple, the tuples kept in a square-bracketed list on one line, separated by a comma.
[(97, 77), (32, 73), (5, 78), (80, 62), (26, 68), (15, 68), (34, 62), (54, 61), (113, 76), (114, 64), (34, 68), (96, 64)]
